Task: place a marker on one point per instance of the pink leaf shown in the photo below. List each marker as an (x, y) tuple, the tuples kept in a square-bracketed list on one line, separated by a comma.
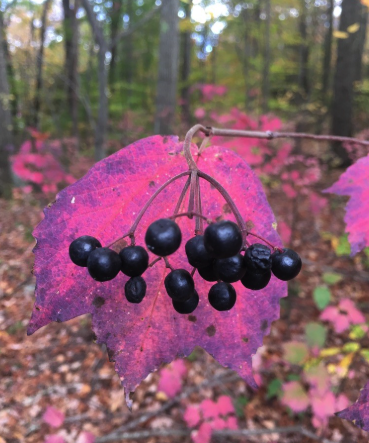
[(342, 402), (285, 231), (359, 411), (105, 204), (343, 316), (200, 113), (295, 396), (317, 203), (53, 417), (192, 415), (231, 423), (209, 409), (323, 406), (354, 183), (218, 423), (170, 381), (225, 405), (54, 438), (203, 435), (355, 316), (85, 437)]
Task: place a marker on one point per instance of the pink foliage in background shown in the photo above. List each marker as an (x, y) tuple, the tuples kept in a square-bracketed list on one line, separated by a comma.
[(38, 163), (208, 416), (170, 381), (53, 417), (343, 316)]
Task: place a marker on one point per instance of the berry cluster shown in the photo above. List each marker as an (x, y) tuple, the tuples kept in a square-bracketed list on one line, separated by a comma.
[(216, 255)]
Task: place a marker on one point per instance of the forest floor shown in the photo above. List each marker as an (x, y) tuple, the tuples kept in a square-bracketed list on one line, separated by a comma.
[(61, 366)]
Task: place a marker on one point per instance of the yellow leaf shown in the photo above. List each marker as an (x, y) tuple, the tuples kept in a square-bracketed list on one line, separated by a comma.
[(353, 28), (329, 352), (365, 2), (344, 365), (186, 25), (340, 34)]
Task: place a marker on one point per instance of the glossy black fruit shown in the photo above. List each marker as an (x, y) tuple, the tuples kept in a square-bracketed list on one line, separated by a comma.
[(197, 255), (179, 285), (286, 265), (135, 260), (223, 239), (230, 269), (186, 307), (103, 264), (135, 289), (163, 237), (81, 248), (208, 273), (258, 258), (222, 296), (256, 281)]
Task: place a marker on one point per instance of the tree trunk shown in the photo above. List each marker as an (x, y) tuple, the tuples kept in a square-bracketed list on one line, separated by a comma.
[(343, 89), (266, 66), (116, 17), (5, 123), (303, 79), (168, 67), (360, 43), (71, 59), (102, 116), (186, 69), (39, 65), (128, 53), (327, 53)]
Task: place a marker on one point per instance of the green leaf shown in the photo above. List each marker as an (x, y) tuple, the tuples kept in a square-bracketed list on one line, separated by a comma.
[(331, 278), (343, 246), (239, 404), (296, 352), (315, 334), (274, 389), (322, 297), (365, 354), (351, 347)]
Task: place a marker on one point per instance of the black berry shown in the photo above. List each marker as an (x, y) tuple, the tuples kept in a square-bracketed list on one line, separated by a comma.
[(208, 273), (256, 281), (179, 285), (135, 260), (186, 307), (223, 239), (163, 237), (222, 296), (286, 265), (230, 269), (197, 255), (80, 249), (258, 258), (103, 264), (135, 289)]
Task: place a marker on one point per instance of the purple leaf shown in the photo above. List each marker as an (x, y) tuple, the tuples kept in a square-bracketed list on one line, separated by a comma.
[(358, 413), (104, 204)]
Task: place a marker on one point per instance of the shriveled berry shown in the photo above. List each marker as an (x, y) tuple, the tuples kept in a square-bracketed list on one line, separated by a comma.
[(258, 258), (163, 237), (81, 248), (256, 281), (222, 296), (103, 264), (197, 255), (230, 269), (286, 265), (223, 239), (135, 289), (208, 273), (179, 285), (186, 307), (135, 260)]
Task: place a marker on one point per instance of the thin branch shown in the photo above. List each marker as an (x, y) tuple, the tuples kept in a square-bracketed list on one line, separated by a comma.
[(239, 433), (132, 29)]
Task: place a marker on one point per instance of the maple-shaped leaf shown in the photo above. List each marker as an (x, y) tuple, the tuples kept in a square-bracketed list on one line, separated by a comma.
[(358, 413), (104, 204), (354, 183)]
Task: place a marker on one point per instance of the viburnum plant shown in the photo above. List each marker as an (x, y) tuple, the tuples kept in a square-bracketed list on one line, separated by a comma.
[(141, 196)]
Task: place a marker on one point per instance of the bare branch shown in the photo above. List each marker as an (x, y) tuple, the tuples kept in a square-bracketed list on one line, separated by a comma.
[(147, 17), (239, 433)]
